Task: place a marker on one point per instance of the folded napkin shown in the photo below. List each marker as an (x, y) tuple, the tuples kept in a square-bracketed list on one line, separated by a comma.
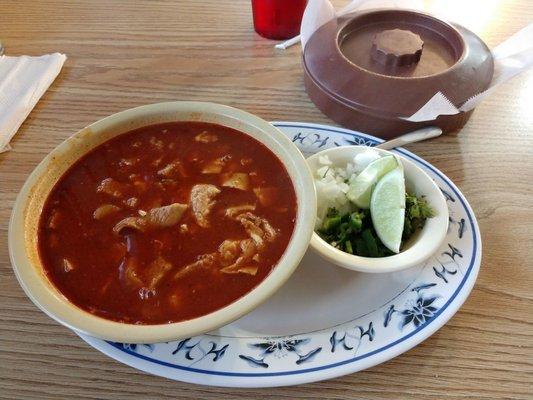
[(23, 80)]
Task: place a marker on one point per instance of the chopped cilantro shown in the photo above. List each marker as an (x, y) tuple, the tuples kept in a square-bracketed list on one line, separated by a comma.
[(354, 233)]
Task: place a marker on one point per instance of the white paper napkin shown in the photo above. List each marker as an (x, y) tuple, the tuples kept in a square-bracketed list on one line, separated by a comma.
[(23, 80)]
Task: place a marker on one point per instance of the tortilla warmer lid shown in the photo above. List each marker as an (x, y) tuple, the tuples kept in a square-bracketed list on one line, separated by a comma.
[(367, 70)]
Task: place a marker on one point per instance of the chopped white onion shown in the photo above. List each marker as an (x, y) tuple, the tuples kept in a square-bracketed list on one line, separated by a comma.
[(332, 183)]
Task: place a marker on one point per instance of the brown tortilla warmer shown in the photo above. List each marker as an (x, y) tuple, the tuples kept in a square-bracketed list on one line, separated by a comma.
[(368, 70)]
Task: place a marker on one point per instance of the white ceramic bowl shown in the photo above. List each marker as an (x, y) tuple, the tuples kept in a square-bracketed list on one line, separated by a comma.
[(24, 220), (422, 246)]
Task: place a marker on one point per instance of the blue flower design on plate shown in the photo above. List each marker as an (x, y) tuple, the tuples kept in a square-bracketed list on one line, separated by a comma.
[(280, 348), (197, 351), (417, 311), (420, 311), (135, 347), (350, 341)]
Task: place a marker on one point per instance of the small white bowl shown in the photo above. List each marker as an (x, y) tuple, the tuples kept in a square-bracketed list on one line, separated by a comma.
[(29, 203), (422, 246)]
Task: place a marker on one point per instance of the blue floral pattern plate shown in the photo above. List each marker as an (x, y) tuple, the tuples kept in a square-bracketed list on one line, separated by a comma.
[(326, 321)]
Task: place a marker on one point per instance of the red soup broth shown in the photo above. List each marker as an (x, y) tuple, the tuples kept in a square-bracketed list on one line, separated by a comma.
[(167, 223)]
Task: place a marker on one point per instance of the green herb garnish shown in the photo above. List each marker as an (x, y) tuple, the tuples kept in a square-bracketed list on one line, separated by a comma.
[(354, 233), (417, 210)]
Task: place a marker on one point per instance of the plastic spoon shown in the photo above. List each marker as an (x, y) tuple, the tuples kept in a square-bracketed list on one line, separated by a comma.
[(411, 137)]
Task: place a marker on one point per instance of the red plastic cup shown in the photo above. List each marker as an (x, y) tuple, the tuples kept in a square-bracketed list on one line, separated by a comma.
[(278, 19)]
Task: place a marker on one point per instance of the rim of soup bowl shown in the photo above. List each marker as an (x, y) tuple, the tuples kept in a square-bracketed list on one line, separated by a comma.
[(22, 236), (423, 245)]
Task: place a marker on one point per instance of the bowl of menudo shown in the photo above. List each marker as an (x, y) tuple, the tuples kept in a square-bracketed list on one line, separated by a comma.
[(162, 222)]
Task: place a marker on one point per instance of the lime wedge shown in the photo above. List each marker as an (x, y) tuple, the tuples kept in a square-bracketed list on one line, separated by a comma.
[(360, 188), (387, 209)]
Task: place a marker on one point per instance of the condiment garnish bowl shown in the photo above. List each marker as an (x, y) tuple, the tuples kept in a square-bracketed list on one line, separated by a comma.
[(419, 248)]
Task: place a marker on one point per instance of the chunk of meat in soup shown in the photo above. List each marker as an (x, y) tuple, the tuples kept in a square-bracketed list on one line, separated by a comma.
[(112, 188), (129, 272), (202, 202), (205, 262), (247, 250), (236, 210), (238, 256), (156, 271), (206, 137), (173, 170), (160, 217), (240, 269), (105, 210), (267, 196), (258, 228), (132, 202), (229, 251), (214, 166), (236, 180), (68, 265)]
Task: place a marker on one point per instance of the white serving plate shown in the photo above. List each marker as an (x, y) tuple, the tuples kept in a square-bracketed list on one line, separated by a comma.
[(326, 321)]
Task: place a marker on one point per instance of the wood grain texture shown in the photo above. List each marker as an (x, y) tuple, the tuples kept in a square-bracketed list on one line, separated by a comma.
[(131, 52)]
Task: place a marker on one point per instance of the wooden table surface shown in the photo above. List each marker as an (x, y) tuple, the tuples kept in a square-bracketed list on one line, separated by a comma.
[(131, 52)]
